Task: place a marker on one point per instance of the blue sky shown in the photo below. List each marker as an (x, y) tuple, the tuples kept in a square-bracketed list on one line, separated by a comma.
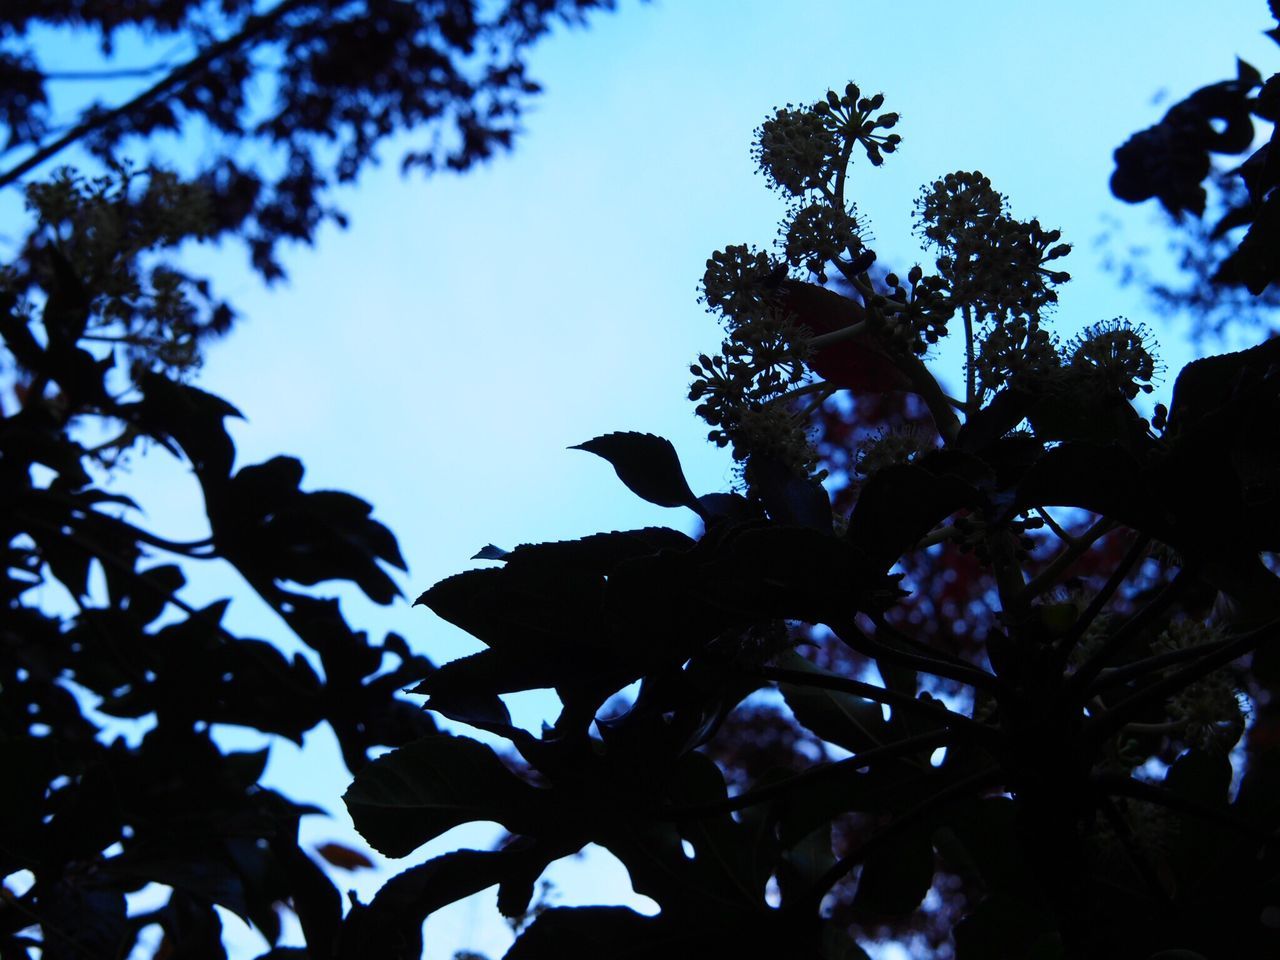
[(439, 356)]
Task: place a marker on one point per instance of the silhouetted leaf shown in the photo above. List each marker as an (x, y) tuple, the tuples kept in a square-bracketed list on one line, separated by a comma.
[(176, 413), (789, 497), (901, 503), (590, 933), (344, 857), (896, 876), (271, 528), (483, 710), (848, 721), (417, 792), (1200, 776), (601, 553), (648, 465)]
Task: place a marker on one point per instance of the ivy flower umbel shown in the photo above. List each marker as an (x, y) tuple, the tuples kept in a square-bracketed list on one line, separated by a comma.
[(1018, 348), (796, 149), (735, 284), (993, 263), (816, 234), (1117, 350), (801, 149), (1211, 709), (849, 116)]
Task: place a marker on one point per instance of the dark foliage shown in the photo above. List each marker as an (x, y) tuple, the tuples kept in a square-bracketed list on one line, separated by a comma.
[(94, 814), (1004, 662), (993, 666), (342, 77), (1172, 162), (110, 681)]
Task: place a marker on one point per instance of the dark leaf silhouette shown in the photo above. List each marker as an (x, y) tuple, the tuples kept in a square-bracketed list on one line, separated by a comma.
[(400, 801), (648, 465)]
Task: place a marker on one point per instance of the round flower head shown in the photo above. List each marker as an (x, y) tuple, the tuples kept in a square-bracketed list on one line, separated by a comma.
[(796, 150), (1118, 351)]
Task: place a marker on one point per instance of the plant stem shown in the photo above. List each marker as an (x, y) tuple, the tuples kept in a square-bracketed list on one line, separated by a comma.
[(1099, 727), (253, 26), (937, 801), (868, 758), (1048, 577), (894, 698), (1137, 550), (970, 371)]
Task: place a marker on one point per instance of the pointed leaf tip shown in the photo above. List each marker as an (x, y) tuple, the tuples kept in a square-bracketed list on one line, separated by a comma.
[(648, 465)]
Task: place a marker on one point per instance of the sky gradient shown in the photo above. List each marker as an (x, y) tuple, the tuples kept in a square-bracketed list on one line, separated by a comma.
[(438, 357)]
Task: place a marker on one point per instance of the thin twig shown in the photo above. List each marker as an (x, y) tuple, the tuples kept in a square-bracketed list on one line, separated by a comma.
[(1137, 550), (1056, 527), (1117, 784), (1101, 726), (867, 758), (188, 71), (1083, 678), (837, 336), (876, 649), (1118, 676), (1048, 577), (942, 798), (894, 698)]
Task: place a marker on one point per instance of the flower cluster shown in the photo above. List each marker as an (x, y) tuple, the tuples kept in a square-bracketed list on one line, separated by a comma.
[(816, 234), (1017, 349), (739, 393), (888, 447), (736, 284), (1210, 709), (849, 116), (802, 149), (104, 235), (992, 263), (914, 315), (1117, 353)]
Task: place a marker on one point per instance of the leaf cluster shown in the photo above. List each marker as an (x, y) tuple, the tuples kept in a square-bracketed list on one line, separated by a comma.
[(339, 79), (1043, 802), (111, 681)]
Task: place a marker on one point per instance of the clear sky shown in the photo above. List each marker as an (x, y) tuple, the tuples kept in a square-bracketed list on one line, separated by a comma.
[(439, 356)]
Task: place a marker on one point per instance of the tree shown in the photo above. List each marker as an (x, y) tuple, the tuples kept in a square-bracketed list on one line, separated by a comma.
[(702, 623), (1227, 276), (1066, 758), (102, 332), (342, 78)]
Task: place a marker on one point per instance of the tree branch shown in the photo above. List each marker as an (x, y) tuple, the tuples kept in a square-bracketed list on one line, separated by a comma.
[(192, 68)]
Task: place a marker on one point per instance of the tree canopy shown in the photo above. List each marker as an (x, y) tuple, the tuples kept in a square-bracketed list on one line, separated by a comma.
[(1014, 646), (300, 93)]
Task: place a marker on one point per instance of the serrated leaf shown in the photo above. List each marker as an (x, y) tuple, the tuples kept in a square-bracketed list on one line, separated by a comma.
[(648, 465)]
